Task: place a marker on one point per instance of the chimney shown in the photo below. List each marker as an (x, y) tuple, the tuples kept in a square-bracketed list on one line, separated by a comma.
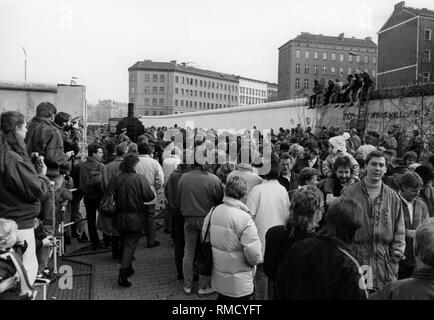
[(399, 6), (184, 64), (341, 36), (368, 38), (173, 62), (130, 109)]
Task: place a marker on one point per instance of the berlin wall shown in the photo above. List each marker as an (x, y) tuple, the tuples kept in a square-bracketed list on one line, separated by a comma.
[(382, 115), (25, 97)]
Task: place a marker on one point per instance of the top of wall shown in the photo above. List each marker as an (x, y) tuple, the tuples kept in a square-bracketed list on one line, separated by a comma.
[(28, 86)]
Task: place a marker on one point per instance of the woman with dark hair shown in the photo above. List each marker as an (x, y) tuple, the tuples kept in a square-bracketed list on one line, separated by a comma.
[(323, 267), (21, 188), (132, 190), (306, 210)]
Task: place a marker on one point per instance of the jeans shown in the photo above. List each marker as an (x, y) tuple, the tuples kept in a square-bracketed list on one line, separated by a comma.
[(43, 254), (150, 222), (30, 261), (75, 212), (263, 290), (192, 231), (129, 242), (91, 207), (178, 237)]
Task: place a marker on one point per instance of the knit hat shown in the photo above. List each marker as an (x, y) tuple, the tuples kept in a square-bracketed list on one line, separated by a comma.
[(339, 143)]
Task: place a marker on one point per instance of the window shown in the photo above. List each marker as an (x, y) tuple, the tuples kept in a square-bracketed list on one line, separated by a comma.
[(341, 71), (195, 93), (333, 56), (332, 70), (191, 81), (154, 90), (182, 103), (315, 69), (154, 101), (341, 57), (366, 59), (162, 78), (147, 77), (132, 99), (324, 56), (154, 113), (176, 79), (427, 56), (324, 70), (132, 89), (146, 90), (146, 112), (427, 34), (306, 84), (208, 95), (161, 90), (357, 58), (176, 102), (161, 113), (297, 68), (200, 105), (191, 104), (146, 101), (182, 79), (306, 54), (297, 53), (350, 58), (195, 104), (182, 91), (176, 90), (154, 78), (212, 95), (306, 69), (315, 55), (195, 82), (297, 83), (191, 93)]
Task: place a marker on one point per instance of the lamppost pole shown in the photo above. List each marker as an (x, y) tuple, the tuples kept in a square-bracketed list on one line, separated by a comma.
[(25, 64)]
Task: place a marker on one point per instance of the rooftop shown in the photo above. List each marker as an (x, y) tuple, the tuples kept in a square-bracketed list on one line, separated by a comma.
[(421, 12), (173, 66), (339, 40)]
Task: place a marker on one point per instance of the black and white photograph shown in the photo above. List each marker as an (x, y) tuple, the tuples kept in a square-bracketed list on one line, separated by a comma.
[(214, 156)]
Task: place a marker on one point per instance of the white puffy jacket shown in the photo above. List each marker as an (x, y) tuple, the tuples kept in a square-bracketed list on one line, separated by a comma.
[(236, 248)]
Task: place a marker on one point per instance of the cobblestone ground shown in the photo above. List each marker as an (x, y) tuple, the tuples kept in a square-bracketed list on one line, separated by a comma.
[(154, 279)]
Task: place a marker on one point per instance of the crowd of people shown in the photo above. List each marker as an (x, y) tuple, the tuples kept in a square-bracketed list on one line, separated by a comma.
[(354, 91), (290, 215)]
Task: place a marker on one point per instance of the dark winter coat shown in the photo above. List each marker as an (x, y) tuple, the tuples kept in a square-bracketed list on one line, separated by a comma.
[(132, 191), (21, 190), (43, 137), (172, 193), (89, 174), (279, 242), (315, 269)]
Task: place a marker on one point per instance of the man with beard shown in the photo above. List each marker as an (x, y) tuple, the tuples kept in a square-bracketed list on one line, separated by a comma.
[(309, 160), (332, 187)]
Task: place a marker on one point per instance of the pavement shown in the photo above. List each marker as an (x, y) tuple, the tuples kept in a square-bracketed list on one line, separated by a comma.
[(155, 276)]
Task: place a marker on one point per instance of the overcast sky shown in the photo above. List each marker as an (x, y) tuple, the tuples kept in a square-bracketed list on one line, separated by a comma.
[(97, 40)]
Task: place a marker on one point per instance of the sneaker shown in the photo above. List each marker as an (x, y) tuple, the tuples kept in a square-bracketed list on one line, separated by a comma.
[(206, 291), (187, 290)]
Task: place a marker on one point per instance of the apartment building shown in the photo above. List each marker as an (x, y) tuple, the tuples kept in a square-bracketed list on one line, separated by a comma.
[(160, 88), (405, 47), (310, 57)]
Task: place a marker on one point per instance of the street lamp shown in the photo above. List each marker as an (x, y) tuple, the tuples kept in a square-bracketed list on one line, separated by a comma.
[(25, 64)]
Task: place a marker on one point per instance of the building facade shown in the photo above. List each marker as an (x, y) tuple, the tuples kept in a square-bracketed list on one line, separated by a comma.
[(410, 61), (252, 91), (310, 57), (272, 90), (160, 88)]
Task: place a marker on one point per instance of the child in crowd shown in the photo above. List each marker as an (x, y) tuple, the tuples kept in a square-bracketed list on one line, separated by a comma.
[(337, 149), (14, 283)]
